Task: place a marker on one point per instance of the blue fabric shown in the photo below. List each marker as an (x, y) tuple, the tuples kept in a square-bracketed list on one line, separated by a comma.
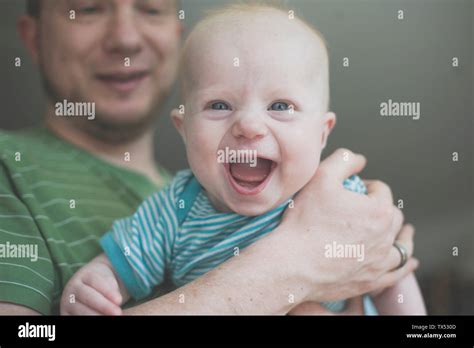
[(189, 194), (369, 306), (122, 267)]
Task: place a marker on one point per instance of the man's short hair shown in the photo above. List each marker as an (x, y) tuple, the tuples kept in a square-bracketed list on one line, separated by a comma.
[(33, 8)]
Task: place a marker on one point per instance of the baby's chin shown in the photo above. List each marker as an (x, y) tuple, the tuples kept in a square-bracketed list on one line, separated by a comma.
[(249, 208), (270, 198)]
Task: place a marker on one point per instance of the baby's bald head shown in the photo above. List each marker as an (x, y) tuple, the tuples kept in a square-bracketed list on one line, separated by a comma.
[(258, 38), (254, 79)]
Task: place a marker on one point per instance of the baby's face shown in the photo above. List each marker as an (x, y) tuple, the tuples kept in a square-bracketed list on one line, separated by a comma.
[(262, 94)]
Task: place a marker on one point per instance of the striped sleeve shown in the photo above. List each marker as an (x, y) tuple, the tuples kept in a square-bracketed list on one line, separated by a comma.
[(140, 247), (26, 269)]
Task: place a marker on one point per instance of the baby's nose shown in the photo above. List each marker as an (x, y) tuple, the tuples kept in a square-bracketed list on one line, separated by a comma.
[(249, 127)]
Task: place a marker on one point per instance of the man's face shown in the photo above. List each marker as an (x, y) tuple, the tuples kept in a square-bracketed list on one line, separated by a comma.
[(120, 54)]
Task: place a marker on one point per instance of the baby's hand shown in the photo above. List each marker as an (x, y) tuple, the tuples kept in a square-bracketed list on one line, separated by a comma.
[(309, 308), (93, 290), (354, 307)]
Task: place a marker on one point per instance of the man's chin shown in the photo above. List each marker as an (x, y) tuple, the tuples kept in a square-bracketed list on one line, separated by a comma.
[(123, 118), (120, 111), (120, 127)]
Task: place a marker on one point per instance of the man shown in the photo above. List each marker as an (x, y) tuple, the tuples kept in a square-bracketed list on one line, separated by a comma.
[(62, 185)]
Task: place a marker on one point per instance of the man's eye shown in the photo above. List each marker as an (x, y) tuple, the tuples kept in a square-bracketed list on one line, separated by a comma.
[(88, 10), (219, 106), (279, 106), (152, 11)]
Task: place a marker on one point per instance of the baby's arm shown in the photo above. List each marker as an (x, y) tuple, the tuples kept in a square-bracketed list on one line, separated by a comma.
[(404, 298), (354, 306), (94, 289)]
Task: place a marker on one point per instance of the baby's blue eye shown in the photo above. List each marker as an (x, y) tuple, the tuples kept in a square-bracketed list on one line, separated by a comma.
[(220, 106), (279, 106)]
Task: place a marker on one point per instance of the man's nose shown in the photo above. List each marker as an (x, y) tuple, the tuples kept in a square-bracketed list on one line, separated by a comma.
[(123, 34), (249, 127)]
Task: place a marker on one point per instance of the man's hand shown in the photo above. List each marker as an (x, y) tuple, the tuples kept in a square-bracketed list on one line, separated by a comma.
[(93, 290), (325, 213)]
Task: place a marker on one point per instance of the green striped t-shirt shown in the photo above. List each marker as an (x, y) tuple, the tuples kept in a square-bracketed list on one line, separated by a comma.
[(56, 201)]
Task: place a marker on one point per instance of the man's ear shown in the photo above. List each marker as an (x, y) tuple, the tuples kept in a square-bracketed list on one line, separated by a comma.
[(28, 29), (177, 117), (329, 121)]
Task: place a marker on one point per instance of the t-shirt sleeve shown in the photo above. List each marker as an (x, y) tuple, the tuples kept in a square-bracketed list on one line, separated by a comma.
[(26, 268), (140, 247)]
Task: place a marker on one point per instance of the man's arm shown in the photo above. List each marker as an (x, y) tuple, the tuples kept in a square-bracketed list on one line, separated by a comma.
[(258, 281), (246, 284), (288, 267), (26, 282), (13, 309)]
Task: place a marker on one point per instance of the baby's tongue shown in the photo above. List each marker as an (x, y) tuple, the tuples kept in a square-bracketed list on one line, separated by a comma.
[(244, 172)]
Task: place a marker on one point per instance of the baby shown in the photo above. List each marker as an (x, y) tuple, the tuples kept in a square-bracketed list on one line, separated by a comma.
[(255, 120)]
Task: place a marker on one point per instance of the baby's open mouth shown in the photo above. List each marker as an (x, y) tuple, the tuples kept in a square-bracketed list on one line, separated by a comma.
[(250, 178)]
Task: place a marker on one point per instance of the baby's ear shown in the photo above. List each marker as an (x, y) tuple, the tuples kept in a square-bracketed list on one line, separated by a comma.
[(177, 117), (329, 121)]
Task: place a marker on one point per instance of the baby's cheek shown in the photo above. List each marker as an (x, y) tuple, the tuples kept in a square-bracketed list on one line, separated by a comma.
[(301, 164), (200, 151), (202, 146)]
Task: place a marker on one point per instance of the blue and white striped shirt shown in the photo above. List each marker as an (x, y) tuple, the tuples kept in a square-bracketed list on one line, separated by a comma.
[(157, 239)]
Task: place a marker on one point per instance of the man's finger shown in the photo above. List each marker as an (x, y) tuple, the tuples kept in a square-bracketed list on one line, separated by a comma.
[(391, 278), (397, 223), (342, 163), (380, 190), (405, 239)]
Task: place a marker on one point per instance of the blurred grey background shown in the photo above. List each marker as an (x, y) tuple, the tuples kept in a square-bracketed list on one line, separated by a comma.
[(404, 60)]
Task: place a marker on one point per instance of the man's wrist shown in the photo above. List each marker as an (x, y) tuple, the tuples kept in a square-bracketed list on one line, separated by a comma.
[(281, 264)]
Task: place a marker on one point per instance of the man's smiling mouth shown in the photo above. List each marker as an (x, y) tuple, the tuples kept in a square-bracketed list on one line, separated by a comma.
[(248, 179), (123, 82)]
